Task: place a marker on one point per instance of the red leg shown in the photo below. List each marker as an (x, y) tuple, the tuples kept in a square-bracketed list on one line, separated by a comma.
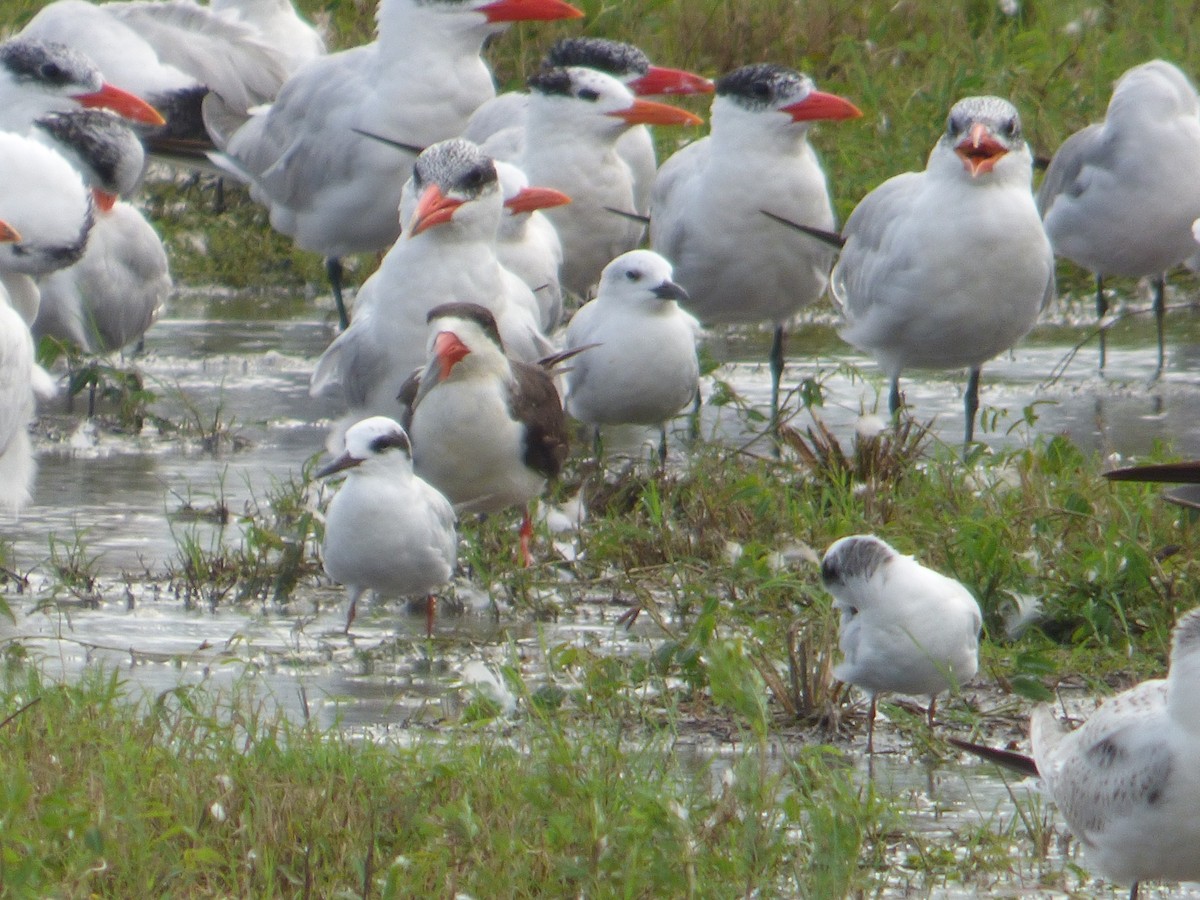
[(526, 537), (430, 609)]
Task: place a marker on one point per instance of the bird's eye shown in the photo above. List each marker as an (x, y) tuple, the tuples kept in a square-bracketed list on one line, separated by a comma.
[(52, 72), (1012, 127), (588, 94), (473, 179), (761, 90), (954, 125), (633, 274)]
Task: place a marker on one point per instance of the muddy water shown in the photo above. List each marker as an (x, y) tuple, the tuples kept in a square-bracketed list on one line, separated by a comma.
[(115, 501)]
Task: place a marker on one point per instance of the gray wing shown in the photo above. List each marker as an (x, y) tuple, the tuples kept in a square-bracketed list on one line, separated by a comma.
[(306, 135), (1065, 174), (872, 237), (1115, 762), (226, 56), (668, 198), (351, 365)]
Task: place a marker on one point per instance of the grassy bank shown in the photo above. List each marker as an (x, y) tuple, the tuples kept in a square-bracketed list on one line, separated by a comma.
[(584, 779)]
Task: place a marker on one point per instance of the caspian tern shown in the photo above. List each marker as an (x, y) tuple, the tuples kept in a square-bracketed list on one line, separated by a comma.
[(452, 207), (948, 267), (386, 529), (904, 627), (116, 290), (328, 187), (574, 120), (644, 368), (526, 242), (17, 374), (488, 431), (1120, 196), (171, 53), (627, 64), (757, 156), (40, 77)]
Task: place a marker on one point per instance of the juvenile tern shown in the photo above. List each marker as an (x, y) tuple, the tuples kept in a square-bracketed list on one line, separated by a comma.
[(904, 627)]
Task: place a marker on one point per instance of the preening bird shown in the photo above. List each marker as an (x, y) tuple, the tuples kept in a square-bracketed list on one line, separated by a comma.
[(1128, 780), (1120, 196), (115, 291), (643, 368), (386, 529), (43, 198), (904, 627), (949, 267), (737, 265)]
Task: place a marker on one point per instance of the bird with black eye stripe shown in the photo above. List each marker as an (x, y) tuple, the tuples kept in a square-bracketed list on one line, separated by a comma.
[(386, 529), (643, 368), (624, 62), (574, 120)]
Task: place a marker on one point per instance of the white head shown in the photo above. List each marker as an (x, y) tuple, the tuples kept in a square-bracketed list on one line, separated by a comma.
[(520, 200), (39, 77), (983, 143), (373, 444), (640, 278)]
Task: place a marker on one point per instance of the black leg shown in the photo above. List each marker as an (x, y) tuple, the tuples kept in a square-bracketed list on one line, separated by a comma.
[(694, 424), (972, 403), (1160, 310), (1101, 309), (871, 725), (894, 399), (662, 446), (776, 359), (597, 445), (335, 271)]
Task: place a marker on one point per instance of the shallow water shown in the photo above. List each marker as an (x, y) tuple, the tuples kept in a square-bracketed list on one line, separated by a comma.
[(115, 501)]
